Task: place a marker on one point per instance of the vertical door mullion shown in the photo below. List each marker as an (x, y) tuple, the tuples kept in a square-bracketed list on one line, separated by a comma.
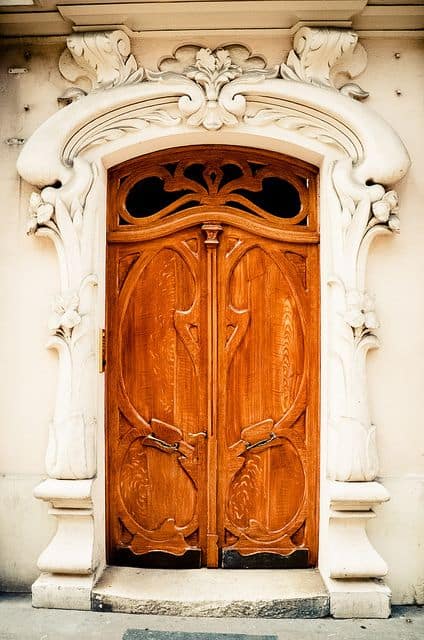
[(211, 231)]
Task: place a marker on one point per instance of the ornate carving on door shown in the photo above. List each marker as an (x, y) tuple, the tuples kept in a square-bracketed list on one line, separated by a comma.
[(212, 359)]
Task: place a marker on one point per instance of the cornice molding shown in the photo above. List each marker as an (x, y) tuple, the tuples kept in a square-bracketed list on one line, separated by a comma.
[(178, 16)]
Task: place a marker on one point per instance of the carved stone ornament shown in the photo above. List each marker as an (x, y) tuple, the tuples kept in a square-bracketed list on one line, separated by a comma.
[(201, 96), (102, 57), (211, 71), (323, 56), (319, 57)]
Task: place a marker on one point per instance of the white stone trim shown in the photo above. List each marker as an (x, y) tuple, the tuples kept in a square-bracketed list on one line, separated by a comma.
[(220, 97)]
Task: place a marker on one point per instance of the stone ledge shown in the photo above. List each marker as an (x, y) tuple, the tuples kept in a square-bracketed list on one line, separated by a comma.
[(213, 593)]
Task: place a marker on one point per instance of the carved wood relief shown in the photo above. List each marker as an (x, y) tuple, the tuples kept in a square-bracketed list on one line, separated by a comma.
[(212, 376)]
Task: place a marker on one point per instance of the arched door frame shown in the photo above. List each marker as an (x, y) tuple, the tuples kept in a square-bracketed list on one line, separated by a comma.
[(291, 110)]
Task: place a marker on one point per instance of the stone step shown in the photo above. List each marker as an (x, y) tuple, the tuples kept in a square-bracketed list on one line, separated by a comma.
[(256, 593)]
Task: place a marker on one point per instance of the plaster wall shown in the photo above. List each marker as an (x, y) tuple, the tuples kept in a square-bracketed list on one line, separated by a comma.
[(29, 279)]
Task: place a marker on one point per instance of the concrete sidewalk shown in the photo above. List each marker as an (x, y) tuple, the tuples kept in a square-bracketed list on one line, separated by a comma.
[(19, 621)]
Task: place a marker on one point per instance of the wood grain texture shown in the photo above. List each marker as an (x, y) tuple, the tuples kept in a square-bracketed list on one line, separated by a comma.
[(212, 375)]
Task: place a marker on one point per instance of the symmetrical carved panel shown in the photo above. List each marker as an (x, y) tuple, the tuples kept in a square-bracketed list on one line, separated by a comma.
[(233, 179)]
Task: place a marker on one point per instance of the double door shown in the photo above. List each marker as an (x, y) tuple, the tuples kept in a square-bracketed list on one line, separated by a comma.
[(212, 396)]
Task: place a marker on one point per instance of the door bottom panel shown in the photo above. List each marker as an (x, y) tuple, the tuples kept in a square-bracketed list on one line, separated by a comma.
[(232, 559), (191, 559)]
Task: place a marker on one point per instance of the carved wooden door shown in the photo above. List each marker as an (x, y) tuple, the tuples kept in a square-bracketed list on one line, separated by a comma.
[(212, 360)]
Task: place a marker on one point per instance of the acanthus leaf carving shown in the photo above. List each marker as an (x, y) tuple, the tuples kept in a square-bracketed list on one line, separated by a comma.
[(103, 58), (320, 56), (211, 77)]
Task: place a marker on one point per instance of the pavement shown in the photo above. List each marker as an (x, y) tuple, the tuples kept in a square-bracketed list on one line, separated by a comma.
[(19, 621)]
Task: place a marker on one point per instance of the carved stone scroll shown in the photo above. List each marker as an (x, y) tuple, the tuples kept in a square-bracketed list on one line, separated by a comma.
[(323, 56), (103, 58), (212, 71)]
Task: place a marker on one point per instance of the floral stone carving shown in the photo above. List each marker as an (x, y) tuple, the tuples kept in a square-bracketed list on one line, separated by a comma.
[(319, 57), (211, 71), (365, 212), (58, 214), (65, 315)]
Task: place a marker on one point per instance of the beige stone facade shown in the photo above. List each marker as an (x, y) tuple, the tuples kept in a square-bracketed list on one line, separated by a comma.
[(31, 83)]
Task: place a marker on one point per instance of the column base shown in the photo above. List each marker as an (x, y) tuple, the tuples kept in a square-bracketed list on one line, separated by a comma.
[(359, 598), (58, 591)]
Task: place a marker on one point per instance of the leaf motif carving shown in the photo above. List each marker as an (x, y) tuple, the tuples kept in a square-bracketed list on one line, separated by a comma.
[(246, 491), (103, 58), (134, 482), (320, 55)]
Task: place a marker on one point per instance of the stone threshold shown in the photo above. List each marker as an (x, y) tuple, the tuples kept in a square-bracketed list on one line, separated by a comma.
[(218, 593)]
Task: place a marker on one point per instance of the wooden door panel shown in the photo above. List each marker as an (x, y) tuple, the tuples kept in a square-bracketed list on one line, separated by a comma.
[(265, 381), (158, 461), (157, 380), (265, 371)]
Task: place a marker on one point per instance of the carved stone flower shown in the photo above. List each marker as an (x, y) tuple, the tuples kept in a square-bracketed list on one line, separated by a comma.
[(205, 60), (212, 70), (65, 315), (360, 311), (40, 212), (386, 210)]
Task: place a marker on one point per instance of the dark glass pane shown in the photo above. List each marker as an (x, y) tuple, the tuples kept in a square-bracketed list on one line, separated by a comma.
[(171, 166), (255, 167), (230, 172), (148, 196), (278, 197), (195, 172)]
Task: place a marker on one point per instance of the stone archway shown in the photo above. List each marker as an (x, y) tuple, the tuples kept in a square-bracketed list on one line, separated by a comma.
[(297, 108)]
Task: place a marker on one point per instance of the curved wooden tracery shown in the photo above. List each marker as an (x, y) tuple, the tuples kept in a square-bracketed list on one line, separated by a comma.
[(195, 178), (212, 375)]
